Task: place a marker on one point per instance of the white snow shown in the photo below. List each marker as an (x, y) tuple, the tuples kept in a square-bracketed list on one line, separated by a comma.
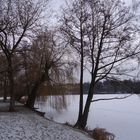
[(120, 117), (27, 125)]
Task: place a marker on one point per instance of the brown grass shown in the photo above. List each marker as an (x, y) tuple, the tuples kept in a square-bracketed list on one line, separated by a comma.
[(102, 134)]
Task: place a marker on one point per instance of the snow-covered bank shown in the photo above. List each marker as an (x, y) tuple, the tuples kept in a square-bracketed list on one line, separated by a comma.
[(120, 117), (27, 125)]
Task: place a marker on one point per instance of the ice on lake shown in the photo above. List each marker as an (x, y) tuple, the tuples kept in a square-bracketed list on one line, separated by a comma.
[(120, 117)]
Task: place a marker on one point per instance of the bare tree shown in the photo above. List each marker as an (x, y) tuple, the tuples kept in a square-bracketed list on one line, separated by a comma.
[(72, 27), (109, 38), (19, 18)]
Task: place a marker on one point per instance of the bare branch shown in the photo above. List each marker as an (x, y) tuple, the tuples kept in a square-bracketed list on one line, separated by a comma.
[(128, 56), (114, 98)]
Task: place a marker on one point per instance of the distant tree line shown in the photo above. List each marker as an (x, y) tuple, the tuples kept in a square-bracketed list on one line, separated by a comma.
[(114, 87)]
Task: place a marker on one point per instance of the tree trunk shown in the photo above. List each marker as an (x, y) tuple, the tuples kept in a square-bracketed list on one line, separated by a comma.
[(81, 77), (11, 84), (87, 107), (83, 122), (32, 96), (5, 88), (81, 96)]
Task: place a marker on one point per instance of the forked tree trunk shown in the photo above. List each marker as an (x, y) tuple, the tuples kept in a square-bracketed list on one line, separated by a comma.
[(86, 109), (83, 122)]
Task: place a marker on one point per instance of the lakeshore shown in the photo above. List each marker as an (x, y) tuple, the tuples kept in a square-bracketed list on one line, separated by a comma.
[(24, 124)]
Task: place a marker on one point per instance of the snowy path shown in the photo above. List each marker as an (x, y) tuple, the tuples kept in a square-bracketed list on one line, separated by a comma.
[(27, 125)]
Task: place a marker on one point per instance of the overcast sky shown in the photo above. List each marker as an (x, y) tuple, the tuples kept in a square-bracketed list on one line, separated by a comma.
[(55, 6)]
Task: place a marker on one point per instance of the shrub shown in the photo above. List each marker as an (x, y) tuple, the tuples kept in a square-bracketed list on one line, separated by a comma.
[(102, 134)]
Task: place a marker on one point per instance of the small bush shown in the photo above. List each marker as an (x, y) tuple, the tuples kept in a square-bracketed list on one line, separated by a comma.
[(102, 134)]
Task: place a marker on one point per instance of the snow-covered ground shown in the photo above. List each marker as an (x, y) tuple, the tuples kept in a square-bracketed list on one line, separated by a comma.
[(120, 117), (27, 125)]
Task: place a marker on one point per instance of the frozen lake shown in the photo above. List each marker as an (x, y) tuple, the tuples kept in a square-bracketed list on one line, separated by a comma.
[(120, 117)]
